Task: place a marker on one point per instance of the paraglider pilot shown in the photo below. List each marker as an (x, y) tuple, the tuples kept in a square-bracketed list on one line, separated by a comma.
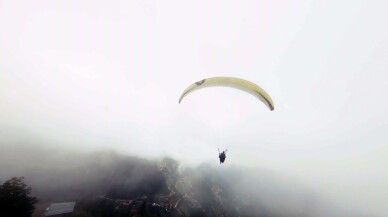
[(222, 156)]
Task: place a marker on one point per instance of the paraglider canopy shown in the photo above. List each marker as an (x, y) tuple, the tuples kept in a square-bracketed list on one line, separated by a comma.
[(232, 82)]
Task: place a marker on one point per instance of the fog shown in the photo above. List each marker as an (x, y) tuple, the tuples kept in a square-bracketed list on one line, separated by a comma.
[(78, 79), (57, 176)]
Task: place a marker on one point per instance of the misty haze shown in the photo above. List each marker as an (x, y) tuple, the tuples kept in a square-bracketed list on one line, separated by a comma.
[(124, 108)]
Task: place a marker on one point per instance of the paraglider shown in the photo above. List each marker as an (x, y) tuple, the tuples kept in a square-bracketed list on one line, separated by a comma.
[(232, 82)]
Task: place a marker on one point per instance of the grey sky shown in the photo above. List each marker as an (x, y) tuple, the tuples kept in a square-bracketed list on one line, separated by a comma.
[(87, 75)]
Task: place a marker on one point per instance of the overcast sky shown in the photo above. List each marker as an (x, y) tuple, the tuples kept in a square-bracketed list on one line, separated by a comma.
[(87, 75)]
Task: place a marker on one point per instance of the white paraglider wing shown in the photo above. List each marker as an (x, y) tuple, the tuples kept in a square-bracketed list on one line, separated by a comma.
[(232, 82)]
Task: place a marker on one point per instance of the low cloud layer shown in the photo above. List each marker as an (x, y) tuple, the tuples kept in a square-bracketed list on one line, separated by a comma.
[(58, 176)]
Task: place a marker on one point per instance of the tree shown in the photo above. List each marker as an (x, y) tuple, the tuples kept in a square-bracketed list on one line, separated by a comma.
[(15, 199)]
